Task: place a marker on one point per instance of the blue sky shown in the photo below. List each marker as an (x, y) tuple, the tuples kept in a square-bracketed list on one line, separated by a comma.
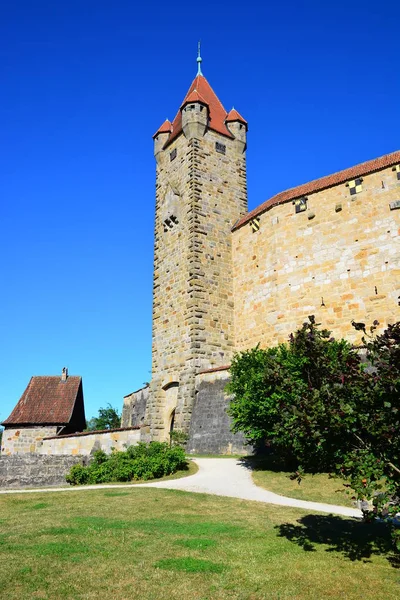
[(85, 84)]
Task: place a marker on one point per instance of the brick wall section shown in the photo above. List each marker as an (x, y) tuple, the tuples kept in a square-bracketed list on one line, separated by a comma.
[(338, 260), (83, 444), (134, 408), (24, 440), (210, 426), (193, 320), (33, 470)]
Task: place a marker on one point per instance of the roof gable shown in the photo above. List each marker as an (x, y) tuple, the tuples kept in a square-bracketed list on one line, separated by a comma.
[(46, 400)]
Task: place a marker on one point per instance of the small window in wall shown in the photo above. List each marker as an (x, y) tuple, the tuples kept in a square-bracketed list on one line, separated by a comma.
[(255, 224), (221, 148), (170, 222), (300, 205), (397, 170), (173, 154), (355, 186)]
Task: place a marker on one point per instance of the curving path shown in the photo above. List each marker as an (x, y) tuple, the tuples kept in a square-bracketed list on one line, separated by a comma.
[(221, 477)]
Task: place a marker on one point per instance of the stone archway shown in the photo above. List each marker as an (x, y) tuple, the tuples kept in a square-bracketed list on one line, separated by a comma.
[(170, 403)]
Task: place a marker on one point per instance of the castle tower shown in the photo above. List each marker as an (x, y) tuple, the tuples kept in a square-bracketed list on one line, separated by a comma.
[(201, 192)]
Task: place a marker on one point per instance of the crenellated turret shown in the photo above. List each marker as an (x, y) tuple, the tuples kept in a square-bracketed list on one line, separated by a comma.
[(161, 138), (238, 128), (194, 116)]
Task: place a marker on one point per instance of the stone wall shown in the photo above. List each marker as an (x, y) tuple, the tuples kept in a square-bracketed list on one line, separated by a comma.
[(134, 408), (33, 470), (338, 260), (210, 426), (24, 440), (85, 443)]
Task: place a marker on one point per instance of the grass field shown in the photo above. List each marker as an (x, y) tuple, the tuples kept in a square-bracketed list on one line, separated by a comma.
[(317, 488), (156, 544)]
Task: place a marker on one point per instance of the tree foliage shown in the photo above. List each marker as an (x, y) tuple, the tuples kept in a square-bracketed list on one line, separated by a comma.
[(324, 406), (108, 418)]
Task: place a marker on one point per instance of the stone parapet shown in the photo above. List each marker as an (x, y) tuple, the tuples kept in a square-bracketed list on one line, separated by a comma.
[(34, 470), (88, 442)]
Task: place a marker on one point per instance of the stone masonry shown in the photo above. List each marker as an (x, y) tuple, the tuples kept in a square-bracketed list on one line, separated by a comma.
[(339, 260), (33, 470), (24, 440)]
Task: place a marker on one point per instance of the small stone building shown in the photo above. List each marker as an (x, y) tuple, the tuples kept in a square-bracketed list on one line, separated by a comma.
[(50, 405)]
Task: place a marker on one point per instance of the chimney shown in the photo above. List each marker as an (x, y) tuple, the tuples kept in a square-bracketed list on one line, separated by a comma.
[(64, 374)]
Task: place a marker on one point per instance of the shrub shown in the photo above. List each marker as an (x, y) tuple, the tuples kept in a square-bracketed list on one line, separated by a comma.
[(144, 461)]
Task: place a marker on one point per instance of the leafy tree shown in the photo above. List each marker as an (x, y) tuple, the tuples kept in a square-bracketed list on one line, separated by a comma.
[(323, 408), (108, 418)]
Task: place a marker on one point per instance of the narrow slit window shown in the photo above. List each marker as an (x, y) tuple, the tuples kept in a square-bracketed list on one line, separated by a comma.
[(173, 154)]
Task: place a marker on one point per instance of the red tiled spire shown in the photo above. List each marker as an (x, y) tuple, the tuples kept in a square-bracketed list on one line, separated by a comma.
[(233, 115), (165, 128), (205, 94)]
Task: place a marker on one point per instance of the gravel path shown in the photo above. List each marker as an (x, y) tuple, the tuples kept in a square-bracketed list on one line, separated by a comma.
[(221, 477)]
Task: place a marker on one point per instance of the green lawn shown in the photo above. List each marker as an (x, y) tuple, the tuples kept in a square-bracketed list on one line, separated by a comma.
[(317, 488), (154, 544)]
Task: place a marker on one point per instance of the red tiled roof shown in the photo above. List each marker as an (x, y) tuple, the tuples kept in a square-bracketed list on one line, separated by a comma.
[(320, 184), (194, 97), (165, 128), (233, 115), (46, 400), (217, 113)]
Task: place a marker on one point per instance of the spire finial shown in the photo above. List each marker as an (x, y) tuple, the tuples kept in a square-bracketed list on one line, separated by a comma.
[(199, 59)]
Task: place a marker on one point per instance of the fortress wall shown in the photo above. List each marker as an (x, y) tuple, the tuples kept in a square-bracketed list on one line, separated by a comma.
[(210, 424), (24, 440), (338, 260), (34, 470), (134, 408), (83, 444)]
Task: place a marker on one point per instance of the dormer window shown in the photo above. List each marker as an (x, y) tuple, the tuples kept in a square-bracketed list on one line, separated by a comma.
[(300, 205), (355, 186)]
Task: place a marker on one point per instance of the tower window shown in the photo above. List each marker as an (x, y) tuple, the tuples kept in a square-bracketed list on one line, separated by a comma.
[(255, 224), (172, 154), (170, 222), (355, 186), (300, 205), (221, 148), (397, 170)]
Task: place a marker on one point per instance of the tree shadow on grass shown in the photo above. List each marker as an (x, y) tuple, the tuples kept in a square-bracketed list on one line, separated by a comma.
[(354, 539)]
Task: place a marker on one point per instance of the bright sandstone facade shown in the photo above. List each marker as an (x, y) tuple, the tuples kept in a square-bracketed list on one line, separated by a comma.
[(226, 280)]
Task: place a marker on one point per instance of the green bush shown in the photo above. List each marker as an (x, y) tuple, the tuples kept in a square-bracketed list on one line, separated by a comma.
[(144, 461)]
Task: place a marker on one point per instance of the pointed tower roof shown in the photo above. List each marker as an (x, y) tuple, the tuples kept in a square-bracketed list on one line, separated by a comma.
[(165, 128), (201, 91), (233, 115)]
